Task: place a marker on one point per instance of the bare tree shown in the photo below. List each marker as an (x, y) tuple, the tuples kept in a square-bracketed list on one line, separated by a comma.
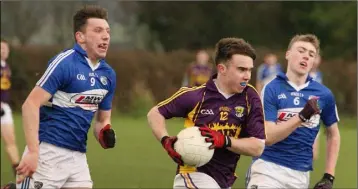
[(62, 15), (21, 19)]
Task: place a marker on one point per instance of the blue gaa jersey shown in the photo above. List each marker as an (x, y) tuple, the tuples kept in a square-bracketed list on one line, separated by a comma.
[(317, 76), (78, 90), (282, 100), (265, 72)]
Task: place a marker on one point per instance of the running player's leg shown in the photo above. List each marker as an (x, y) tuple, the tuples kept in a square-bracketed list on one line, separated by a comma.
[(79, 174), (51, 171), (264, 174), (194, 180), (8, 135), (260, 176)]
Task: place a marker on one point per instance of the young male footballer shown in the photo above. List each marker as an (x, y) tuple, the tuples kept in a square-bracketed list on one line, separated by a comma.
[(293, 104), (7, 121), (228, 111), (77, 85)]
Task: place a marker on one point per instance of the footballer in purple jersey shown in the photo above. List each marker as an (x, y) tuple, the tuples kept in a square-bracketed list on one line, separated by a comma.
[(198, 72), (228, 111), (7, 122)]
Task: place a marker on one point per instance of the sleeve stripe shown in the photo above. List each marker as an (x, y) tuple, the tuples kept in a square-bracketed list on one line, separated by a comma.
[(178, 93), (253, 88), (336, 112), (52, 67)]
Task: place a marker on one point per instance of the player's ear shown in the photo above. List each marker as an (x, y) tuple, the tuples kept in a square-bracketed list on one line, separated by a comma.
[(221, 68), (287, 54), (80, 37)]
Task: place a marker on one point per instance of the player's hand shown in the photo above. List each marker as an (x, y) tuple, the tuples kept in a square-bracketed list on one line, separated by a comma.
[(311, 108), (168, 144), (107, 137), (217, 139), (325, 183), (9, 186), (27, 166)]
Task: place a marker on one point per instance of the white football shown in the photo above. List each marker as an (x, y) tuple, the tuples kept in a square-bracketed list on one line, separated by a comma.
[(192, 147)]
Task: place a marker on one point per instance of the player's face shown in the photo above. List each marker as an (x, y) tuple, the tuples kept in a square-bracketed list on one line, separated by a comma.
[(270, 60), (237, 72), (4, 51), (202, 57), (96, 38), (301, 57)]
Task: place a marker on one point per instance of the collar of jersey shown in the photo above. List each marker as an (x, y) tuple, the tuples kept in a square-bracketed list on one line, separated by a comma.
[(3, 63), (79, 49), (283, 76)]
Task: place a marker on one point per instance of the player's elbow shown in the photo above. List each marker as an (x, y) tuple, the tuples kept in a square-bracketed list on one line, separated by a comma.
[(269, 141), (27, 105), (259, 148), (151, 113)]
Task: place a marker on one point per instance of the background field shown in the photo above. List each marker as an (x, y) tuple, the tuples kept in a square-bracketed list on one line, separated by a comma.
[(138, 161)]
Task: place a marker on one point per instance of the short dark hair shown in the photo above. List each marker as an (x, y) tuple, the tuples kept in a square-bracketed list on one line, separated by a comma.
[(4, 41), (88, 11), (310, 38), (227, 47)]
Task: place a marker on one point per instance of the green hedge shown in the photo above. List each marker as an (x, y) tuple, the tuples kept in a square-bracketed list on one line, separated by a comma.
[(145, 78)]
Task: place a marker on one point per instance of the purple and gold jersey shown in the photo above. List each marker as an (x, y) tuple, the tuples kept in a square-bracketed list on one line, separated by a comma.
[(239, 116), (198, 74), (5, 82)]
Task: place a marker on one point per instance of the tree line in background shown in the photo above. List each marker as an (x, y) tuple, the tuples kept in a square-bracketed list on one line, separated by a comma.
[(189, 25), (270, 24), (145, 78), (153, 42)]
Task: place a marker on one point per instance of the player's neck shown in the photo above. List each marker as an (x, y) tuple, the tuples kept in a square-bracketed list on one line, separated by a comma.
[(296, 79), (221, 86), (93, 61)]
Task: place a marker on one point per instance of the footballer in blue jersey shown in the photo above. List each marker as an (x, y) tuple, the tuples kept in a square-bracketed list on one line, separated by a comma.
[(294, 104), (267, 71), (77, 86)]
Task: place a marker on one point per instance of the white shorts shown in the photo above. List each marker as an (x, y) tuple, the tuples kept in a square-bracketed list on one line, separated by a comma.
[(194, 180), (6, 119), (264, 174), (59, 168)]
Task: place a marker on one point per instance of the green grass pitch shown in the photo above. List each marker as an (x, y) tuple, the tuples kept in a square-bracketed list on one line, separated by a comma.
[(138, 161)]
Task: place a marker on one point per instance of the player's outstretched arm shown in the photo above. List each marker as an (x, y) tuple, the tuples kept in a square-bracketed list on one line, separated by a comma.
[(247, 146), (30, 116), (251, 146), (103, 131), (30, 119), (278, 132), (333, 145), (156, 122)]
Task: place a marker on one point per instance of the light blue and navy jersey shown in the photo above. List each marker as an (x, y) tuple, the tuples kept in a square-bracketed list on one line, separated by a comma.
[(317, 76), (78, 90), (282, 100), (265, 72)]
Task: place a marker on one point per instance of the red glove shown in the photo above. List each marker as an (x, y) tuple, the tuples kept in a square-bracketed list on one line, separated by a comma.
[(217, 139), (107, 137), (168, 144)]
